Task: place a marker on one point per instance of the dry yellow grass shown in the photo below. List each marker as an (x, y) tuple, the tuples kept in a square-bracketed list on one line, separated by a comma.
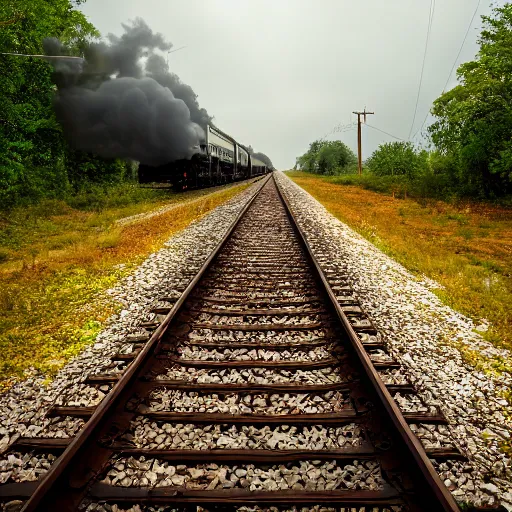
[(467, 248), (50, 299)]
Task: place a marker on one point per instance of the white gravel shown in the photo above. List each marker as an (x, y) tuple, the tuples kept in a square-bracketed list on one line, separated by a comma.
[(303, 475), (246, 354), (255, 375), (255, 336), (164, 273), (422, 334), (260, 403), (163, 436)]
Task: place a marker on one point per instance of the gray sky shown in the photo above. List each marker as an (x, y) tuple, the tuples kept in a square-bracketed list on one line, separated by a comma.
[(278, 74)]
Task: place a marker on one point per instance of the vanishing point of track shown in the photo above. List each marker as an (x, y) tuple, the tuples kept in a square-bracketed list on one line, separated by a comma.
[(260, 341)]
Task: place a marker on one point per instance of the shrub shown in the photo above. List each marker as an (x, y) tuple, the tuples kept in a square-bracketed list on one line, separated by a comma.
[(397, 158), (327, 157)]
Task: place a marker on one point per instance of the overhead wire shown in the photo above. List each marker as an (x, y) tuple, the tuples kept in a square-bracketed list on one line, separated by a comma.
[(462, 45), (387, 133), (429, 28), (454, 64), (340, 128)]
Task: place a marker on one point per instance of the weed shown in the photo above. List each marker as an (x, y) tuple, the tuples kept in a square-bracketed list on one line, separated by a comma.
[(475, 275), (52, 300), (109, 240), (465, 233), (64, 240), (461, 219)]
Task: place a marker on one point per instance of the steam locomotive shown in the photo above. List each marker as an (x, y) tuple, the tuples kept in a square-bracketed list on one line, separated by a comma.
[(220, 159)]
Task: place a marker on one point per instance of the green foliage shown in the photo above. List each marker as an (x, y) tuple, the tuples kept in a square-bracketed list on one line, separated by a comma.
[(98, 197), (397, 159), (427, 185), (35, 159), (399, 185), (474, 119), (472, 133), (327, 157)]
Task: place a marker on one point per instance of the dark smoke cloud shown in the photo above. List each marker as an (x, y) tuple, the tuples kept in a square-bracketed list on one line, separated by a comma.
[(109, 104), (261, 156), (264, 158), (157, 69)]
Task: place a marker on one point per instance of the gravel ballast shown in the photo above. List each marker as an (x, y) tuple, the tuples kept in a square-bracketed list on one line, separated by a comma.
[(164, 273), (418, 331), (422, 334)]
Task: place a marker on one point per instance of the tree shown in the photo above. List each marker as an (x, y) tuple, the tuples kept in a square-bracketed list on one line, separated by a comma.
[(474, 119), (397, 159), (34, 155), (327, 157), (334, 157)]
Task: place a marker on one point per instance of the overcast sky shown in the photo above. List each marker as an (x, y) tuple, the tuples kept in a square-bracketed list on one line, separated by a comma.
[(278, 74)]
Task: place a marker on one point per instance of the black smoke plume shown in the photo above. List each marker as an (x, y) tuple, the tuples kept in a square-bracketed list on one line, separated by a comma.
[(157, 69), (109, 104), (265, 159), (261, 156)]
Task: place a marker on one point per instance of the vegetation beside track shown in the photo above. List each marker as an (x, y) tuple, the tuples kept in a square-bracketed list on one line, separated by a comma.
[(56, 260), (465, 246)]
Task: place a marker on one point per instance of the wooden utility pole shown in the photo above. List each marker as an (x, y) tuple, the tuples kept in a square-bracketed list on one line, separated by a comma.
[(359, 151)]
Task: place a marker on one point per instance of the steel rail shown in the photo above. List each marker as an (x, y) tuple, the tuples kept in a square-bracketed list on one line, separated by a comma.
[(428, 488), (50, 482), (436, 491)]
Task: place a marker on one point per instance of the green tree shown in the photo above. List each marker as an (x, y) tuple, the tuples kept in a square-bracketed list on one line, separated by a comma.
[(34, 155), (307, 162), (327, 157), (334, 157), (474, 119), (397, 159)]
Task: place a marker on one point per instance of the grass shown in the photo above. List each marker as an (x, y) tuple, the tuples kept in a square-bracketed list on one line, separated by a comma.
[(57, 260), (466, 247)]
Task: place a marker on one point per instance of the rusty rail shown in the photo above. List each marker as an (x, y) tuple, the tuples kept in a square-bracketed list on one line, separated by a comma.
[(431, 494), (51, 482), (435, 491)]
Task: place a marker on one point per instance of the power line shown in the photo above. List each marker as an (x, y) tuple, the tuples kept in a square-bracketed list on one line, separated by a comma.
[(172, 51), (431, 17), (43, 56), (340, 128), (387, 133), (454, 64), (462, 45)]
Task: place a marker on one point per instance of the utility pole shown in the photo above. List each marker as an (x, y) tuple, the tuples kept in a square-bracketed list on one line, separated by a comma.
[(359, 151)]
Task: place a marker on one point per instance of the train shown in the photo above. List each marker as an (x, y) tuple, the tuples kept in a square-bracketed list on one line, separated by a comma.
[(219, 159)]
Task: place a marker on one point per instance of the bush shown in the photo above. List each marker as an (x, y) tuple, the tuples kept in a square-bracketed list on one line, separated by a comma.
[(22, 185), (397, 185), (76, 179), (327, 157), (397, 158), (97, 197)]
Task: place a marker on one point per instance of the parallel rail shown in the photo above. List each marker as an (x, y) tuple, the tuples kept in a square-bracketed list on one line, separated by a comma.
[(54, 481), (412, 480), (440, 495)]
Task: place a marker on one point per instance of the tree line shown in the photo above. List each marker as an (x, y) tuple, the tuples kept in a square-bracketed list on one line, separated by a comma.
[(470, 150), (36, 160)]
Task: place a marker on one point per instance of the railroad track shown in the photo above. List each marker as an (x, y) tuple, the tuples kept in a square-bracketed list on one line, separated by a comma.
[(261, 385)]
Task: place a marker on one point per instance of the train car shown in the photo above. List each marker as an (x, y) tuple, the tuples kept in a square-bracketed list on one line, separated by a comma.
[(258, 167), (218, 159)]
